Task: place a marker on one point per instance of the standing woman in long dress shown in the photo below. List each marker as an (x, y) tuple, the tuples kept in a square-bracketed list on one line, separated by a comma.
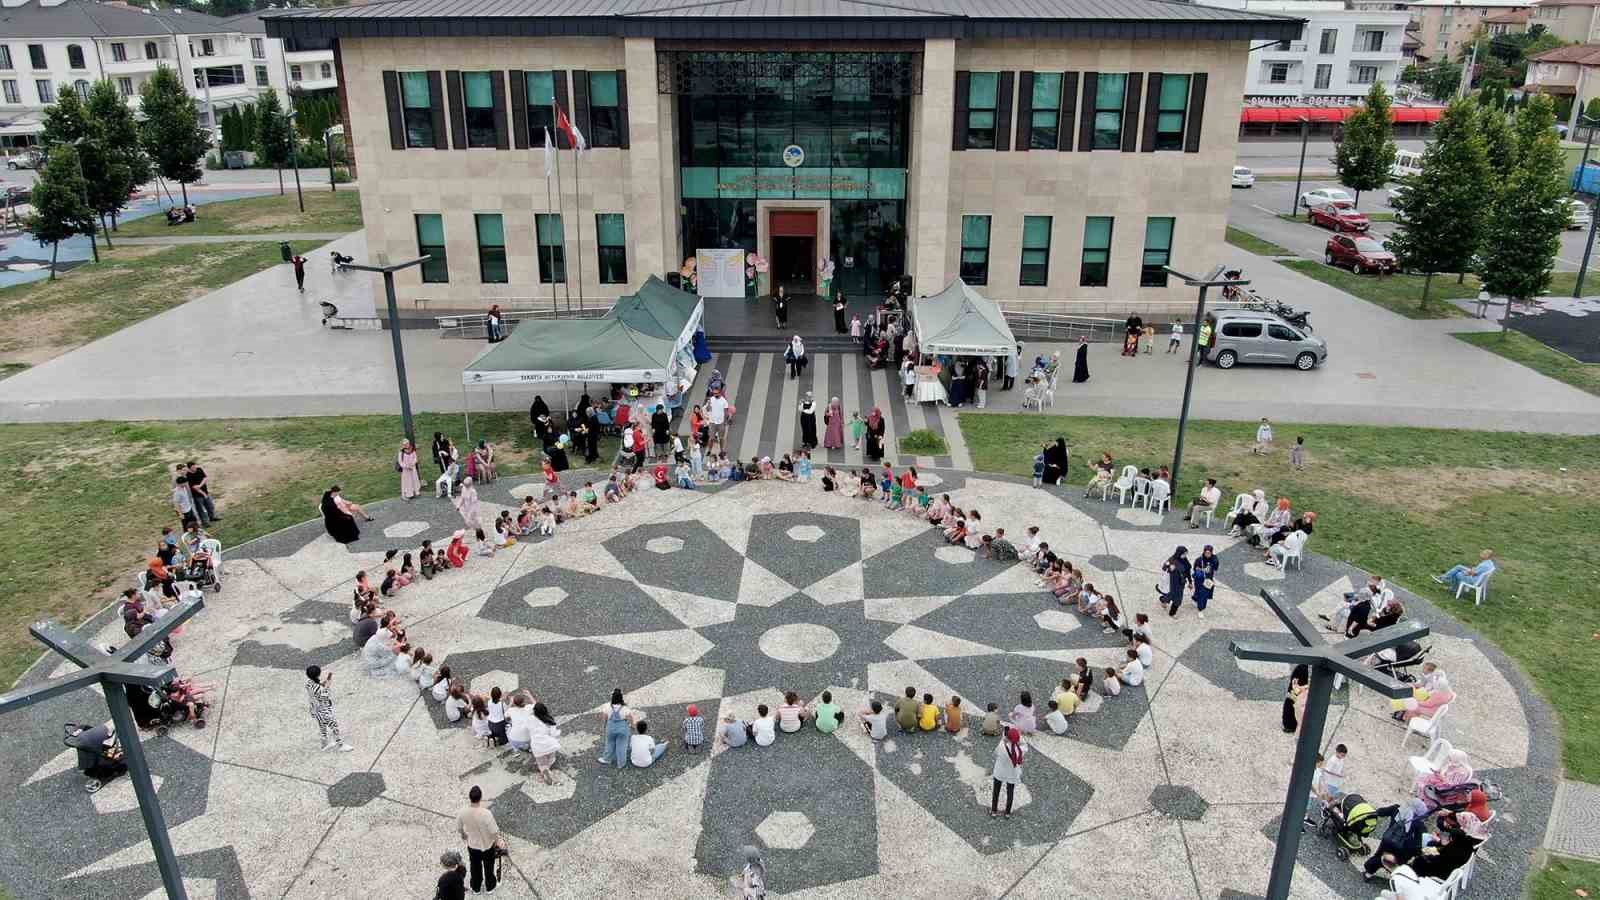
[(875, 432), (1080, 366), (808, 422), (1299, 683), (1178, 571), (341, 525), (780, 307), (410, 482), (467, 503), (839, 306), (833, 438)]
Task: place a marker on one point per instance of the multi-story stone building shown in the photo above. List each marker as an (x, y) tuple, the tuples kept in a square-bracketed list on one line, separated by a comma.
[(47, 46), (1444, 26), (1057, 150)]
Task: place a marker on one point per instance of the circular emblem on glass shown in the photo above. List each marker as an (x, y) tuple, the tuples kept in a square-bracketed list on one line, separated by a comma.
[(793, 156)]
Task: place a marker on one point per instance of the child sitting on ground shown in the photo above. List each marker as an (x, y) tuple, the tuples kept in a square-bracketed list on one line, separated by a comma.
[(991, 721), (685, 476), (694, 728), (802, 466), (613, 490), (425, 561), (867, 486), (929, 715), (830, 480), (547, 521), (1055, 719), (591, 500), (785, 470), (481, 546)]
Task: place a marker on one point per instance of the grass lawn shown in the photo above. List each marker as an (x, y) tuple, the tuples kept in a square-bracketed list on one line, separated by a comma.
[(1518, 347), (1397, 293), (1406, 503), (1564, 878), (43, 319), (326, 211), (1244, 240), (86, 502)]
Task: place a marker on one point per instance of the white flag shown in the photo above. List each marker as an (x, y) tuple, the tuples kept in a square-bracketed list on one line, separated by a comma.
[(549, 155)]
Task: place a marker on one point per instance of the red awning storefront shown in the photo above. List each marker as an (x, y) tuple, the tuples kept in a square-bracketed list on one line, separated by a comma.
[(1252, 115)]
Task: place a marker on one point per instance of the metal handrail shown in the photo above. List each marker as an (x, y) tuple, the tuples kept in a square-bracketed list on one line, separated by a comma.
[(476, 325)]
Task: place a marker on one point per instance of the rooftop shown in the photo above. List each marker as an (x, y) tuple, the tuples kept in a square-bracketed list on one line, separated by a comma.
[(786, 19), (1585, 54), (1513, 17), (89, 19)]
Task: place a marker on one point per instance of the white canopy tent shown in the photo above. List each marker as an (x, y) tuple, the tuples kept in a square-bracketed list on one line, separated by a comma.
[(959, 321)]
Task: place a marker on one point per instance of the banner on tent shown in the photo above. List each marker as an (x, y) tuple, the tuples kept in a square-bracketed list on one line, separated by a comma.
[(721, 272), (621, 376)]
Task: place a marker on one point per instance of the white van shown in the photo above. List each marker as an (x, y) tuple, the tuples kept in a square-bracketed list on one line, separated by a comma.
[(1406, 164)]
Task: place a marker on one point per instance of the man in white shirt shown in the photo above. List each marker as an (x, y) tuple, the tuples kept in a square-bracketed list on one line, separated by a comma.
[(644, 749), (1056, 720), (717, 416), (1210, 496), (1133, 671)]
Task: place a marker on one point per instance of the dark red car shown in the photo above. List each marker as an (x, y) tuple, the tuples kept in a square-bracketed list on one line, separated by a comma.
[(1339, 218), (1360, 254)]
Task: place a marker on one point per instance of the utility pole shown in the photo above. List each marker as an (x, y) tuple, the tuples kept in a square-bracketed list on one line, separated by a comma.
[(387, 271), (1305, 135), (1214, 279)]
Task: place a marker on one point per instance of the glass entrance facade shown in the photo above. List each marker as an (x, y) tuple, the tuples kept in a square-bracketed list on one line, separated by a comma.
[(812, 126)]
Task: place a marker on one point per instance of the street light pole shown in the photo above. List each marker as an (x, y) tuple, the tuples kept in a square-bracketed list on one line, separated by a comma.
[(78, 145), (1214, 279), (327, 143), (294, 152), (387, 271), (1305, 135)]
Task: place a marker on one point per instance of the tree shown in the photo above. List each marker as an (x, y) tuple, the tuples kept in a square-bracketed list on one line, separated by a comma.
[(171, 133), (1442, 212), (1367, 151), (1497, 141), (315, 114), (1492, 89), (65, 121), (1530, 213), (119, 137), (59, 210), (1591, 110), (1441, 80), (274, 134)]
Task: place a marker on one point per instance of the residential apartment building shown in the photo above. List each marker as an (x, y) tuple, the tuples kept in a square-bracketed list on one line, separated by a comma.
[(1510, 22), (1575, 21), (47, 46), (1066, 152), (1444, 26), (1567, 72), (1342, 52)]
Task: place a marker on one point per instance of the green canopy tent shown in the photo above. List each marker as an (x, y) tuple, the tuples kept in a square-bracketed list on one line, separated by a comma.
[(662, 310)]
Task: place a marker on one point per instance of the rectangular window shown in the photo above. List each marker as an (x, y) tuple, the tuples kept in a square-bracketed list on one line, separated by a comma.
[(491, 248), (119, 53), (1324, 76), (1035, 251), (294, 73), (1373, 42), (1330, 41), (541, 118), (208, 47), (552, 248), (478, 88), (125, 86), (36, 56), (1172, 113), (47, 91), (611, 239), (1278, 73), (1366, 74), (983, 96), (975, 248), (75, 57), (1108, 97), (1045, 129), (258, 48), (5, 57), (1096, 267), (416, 103), (10, 88), (1157, 251), (605, 111), (261, 76), (430, 243), (326, 71)]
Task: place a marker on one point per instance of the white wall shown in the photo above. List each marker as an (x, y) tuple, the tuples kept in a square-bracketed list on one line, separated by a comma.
[(1304, 57)]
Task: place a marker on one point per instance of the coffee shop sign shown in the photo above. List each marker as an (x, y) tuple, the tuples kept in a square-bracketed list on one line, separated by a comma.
[(832, 184)]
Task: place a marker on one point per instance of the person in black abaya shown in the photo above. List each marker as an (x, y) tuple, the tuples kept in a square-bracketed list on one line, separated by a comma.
[(1299, 682), (340, 524), (539, 408), (780, 307), (1056, 460), (1080, 366), (591, 444), (875, 433), (808, 422), (839, 324)]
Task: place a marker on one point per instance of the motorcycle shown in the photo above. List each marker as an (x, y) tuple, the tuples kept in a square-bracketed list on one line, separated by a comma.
[(1298, 319)]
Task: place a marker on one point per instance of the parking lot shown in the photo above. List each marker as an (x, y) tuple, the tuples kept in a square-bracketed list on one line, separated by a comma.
[(1257, 211)]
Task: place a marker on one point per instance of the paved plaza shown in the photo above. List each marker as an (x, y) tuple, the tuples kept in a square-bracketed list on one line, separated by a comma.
[(723, 598)]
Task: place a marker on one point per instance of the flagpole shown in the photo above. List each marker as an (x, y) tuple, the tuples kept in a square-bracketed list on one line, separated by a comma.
[(555, 116), (577, 191), (549, 204)]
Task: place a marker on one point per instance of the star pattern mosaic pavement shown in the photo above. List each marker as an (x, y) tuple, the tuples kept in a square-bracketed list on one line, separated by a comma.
[(725, 598)]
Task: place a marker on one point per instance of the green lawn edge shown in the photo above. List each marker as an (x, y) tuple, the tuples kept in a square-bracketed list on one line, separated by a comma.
[(326, 212), (1524, 350), (1244, 240)]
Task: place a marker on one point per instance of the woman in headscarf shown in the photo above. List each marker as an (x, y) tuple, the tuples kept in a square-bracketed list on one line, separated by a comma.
[(467, 504), (839, 324), (661, 430), (406, 464), (1080, 364), (1299, 683), (1451, 850), (1253, 514), (1178, 572), (875, 431), (539, 408), (958, 383), (1007, 770), (1205, 579), (1057, 459), (441, 451), (1402, 839), (340, 523), (833, 437), (780, 307), (751, 882), (808, 422), (795, 356), (1457, 770), (587, 435), (1280, 517)]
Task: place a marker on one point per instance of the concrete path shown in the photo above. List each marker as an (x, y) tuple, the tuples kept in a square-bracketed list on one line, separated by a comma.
[(1575, 821), (268, 355), (323, 236)]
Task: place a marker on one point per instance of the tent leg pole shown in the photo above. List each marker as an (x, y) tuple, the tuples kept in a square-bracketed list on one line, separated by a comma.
[(466, 413), (492, 404)]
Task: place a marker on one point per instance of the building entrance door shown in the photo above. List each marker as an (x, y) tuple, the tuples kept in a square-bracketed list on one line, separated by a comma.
[(793, 238)]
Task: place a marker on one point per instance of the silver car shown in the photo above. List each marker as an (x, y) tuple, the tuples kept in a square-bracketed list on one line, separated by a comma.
[(1245, 336)]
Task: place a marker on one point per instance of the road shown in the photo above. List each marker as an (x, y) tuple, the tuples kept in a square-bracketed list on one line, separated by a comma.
[(1257, 211), (1283, 157)]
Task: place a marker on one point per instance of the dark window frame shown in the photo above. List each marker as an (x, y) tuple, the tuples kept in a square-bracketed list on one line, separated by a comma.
[(125, 86), (983, 137), (1105, 137), (417, 121), (119, 51), (36, 58), (1241, 329), (1039, 270), (605, 120), (262, 78), (491, 256), (12, 93), (1045, 137), (1328, 42), (480, 133), (540, 115), (1154, 274), (975, 271), (46, 89), (613, 258), (152, 50), (75, 60), (1169, 135), (437, 269), (1096, 272), (258, 48), (553, 256)]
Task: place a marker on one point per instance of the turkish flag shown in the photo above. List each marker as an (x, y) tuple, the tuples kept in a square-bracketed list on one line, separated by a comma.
[(565, 126)]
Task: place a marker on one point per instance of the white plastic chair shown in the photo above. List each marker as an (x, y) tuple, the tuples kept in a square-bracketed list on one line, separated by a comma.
[(1430, 728), (1478, 588), (1240, 504), (1124, 484), (214, 547), (1424, 888), (1141, 487), (1207, 511), (1294, 549), (1049, 398), (1429, 762), (1159, 499)]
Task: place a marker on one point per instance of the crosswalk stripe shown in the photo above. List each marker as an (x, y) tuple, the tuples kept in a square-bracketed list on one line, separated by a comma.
[(788, 436), (850, 366), (754, 412), (884, 401)]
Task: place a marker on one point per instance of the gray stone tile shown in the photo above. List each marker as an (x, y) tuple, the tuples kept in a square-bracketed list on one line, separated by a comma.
[(579, 604), (686, 556)]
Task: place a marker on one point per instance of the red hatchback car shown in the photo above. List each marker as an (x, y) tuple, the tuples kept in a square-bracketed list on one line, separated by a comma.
[(1339, 218), (1360, 254)]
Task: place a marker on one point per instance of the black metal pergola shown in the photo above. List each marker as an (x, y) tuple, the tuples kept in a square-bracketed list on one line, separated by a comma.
[(115, 673), (1326, 661)]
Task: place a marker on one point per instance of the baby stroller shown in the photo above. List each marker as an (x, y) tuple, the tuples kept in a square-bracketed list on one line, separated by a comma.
[(99, 757), (205, 569), (161, 708), (1349, 822), (1398, 660)]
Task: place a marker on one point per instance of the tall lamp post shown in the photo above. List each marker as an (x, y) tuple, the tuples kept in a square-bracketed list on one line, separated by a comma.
[(1214, 279), (78, 144), (1325, 661), (387, 271), (1588, 246), (294, 152), (1305, 135), (327, 142)]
